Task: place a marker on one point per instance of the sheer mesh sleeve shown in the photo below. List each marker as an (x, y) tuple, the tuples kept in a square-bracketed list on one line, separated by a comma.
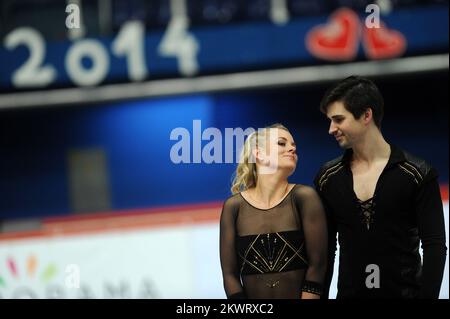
[(228, 258), (316, 237)]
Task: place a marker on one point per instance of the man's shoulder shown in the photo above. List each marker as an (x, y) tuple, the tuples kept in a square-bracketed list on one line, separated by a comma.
[(416, 165), (332, 163), (327, 169)]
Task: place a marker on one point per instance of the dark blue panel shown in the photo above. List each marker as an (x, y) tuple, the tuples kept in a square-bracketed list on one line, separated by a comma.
[(238, 47), (136, 138)]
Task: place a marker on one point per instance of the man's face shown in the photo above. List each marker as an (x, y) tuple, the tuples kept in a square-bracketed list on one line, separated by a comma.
[(344, 127)]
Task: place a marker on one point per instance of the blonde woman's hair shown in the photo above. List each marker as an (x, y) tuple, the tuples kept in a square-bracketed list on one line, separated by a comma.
[(246, 176)]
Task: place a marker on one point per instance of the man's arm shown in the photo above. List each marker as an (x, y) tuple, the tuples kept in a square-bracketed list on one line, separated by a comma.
[(430, 220), (332, 246), (332, 232)]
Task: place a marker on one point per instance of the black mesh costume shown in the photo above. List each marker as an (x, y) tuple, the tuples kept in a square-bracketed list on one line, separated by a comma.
[(275, 252)]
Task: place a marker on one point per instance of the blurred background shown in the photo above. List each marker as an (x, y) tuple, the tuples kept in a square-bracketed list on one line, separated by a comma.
[(93, 93)]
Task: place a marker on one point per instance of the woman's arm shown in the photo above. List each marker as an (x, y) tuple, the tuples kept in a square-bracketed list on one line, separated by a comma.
[(316, 240), (228, 260)]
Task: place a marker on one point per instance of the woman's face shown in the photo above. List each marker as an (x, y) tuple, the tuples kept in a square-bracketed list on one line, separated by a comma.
[(279, 153)]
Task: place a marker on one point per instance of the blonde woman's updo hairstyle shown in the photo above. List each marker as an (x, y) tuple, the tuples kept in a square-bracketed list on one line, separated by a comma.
[(246, 175)]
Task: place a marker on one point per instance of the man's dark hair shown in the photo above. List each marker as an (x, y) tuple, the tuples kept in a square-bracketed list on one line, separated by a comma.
[(357, 94)]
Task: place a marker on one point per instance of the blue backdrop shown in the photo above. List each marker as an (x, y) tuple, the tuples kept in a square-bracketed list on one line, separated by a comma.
[(135, 136)]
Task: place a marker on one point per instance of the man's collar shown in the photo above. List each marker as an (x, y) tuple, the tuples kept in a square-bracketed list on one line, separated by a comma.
[(396, 156)]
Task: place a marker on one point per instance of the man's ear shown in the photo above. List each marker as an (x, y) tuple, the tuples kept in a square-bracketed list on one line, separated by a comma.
[(368, 115)]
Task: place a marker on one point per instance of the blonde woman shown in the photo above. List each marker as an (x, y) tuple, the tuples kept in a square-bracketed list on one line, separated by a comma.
[(273, 235)]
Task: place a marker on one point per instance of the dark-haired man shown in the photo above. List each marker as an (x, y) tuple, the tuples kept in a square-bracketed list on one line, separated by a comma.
[(381, 201)]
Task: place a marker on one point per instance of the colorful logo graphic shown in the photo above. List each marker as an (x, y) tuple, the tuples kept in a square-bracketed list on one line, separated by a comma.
[(30, 270)]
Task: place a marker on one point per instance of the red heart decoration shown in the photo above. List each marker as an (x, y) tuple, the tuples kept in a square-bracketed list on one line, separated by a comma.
[(383, 43), (338, 39)]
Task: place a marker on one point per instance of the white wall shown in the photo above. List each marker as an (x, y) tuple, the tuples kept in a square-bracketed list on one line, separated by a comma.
[(167, 262)]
